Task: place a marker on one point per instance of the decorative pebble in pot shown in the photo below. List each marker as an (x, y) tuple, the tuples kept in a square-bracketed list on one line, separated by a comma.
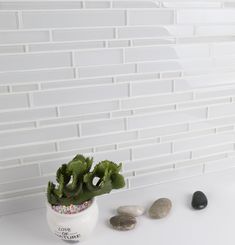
[(72, 211)]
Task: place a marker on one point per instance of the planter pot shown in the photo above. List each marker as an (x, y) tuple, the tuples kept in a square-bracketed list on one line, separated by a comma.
[(73, 227)]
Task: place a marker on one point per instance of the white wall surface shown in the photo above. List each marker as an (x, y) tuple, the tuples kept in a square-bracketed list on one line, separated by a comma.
[(146, 83)]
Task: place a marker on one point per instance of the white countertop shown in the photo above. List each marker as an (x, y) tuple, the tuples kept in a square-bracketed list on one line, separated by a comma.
[(214, 225)]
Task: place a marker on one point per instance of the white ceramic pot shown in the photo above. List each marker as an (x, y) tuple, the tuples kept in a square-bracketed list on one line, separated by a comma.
[(73, 227)]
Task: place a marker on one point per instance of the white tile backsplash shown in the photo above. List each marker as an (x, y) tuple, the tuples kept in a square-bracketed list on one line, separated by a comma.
[(20, 172), (8, 20), (205, 16), (73, 18), (83, 94), (150, 17), (13, 101), (39, 75), (98, 57), (8, 37), (103, 126), (147, 83), (83, 34), (26, 5), (34, 61), (151, 150), (37, 135), (152, 87), (106, 70)]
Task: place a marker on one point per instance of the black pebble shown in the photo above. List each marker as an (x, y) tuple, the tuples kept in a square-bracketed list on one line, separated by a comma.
[(199, 200)]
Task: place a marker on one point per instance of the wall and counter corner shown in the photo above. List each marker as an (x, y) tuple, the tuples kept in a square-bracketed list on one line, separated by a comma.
[(146, 83)]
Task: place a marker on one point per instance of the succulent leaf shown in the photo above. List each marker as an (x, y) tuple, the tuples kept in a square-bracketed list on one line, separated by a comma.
[(76, 181)]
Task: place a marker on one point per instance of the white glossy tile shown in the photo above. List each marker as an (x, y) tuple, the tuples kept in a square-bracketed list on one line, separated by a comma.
[(99, 127), (27, 5), (98, 57), (135, 4), (164, 130), (151, 150), (203, 141), (152, 87), (17, 173), (219, 165), (79, 109), (97, 140), (156, 161), (23, 36), (161, 119), (34, 61), (16, 151), (66, 46), (205, 16), (37, 135), (86, 94), (36, 75), (151, 17), (106, 70), (165, 176), (8, 20), (165, 99), (77, 18), (213, 150), (154, 31), (13, 101), (96, 4), (27, 115), (83, 34)]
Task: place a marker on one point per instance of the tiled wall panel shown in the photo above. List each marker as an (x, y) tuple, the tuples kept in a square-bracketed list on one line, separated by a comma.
[(149, 83)]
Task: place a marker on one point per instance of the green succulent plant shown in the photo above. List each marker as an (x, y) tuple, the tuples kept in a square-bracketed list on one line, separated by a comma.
[(76, 181)]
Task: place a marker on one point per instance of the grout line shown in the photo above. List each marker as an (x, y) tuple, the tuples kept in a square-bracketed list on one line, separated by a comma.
[(124, 56), (129, 89), (175, 20), (40, 170), (37, 124), (172, 147), (127, 17), (173, 86), (72, 54), (191, 157), (128, 184), (115, 30), (131, 154), (75, 73), (58, 114), (83, 4), (79, 132), (20, 19), (50, 36), (10, 89), (26, 48), (106, 44), (204, 168), (207, 113), (30, 100), (126, 127), (57, 147)]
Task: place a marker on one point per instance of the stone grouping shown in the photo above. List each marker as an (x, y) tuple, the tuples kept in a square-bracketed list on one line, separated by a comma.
[(126, 218)]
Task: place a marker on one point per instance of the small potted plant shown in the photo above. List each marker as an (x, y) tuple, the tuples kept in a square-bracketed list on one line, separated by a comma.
[(72, 211)]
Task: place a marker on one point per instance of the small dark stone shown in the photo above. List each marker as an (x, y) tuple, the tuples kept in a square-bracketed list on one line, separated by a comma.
[(199, 200), (123, 222)]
